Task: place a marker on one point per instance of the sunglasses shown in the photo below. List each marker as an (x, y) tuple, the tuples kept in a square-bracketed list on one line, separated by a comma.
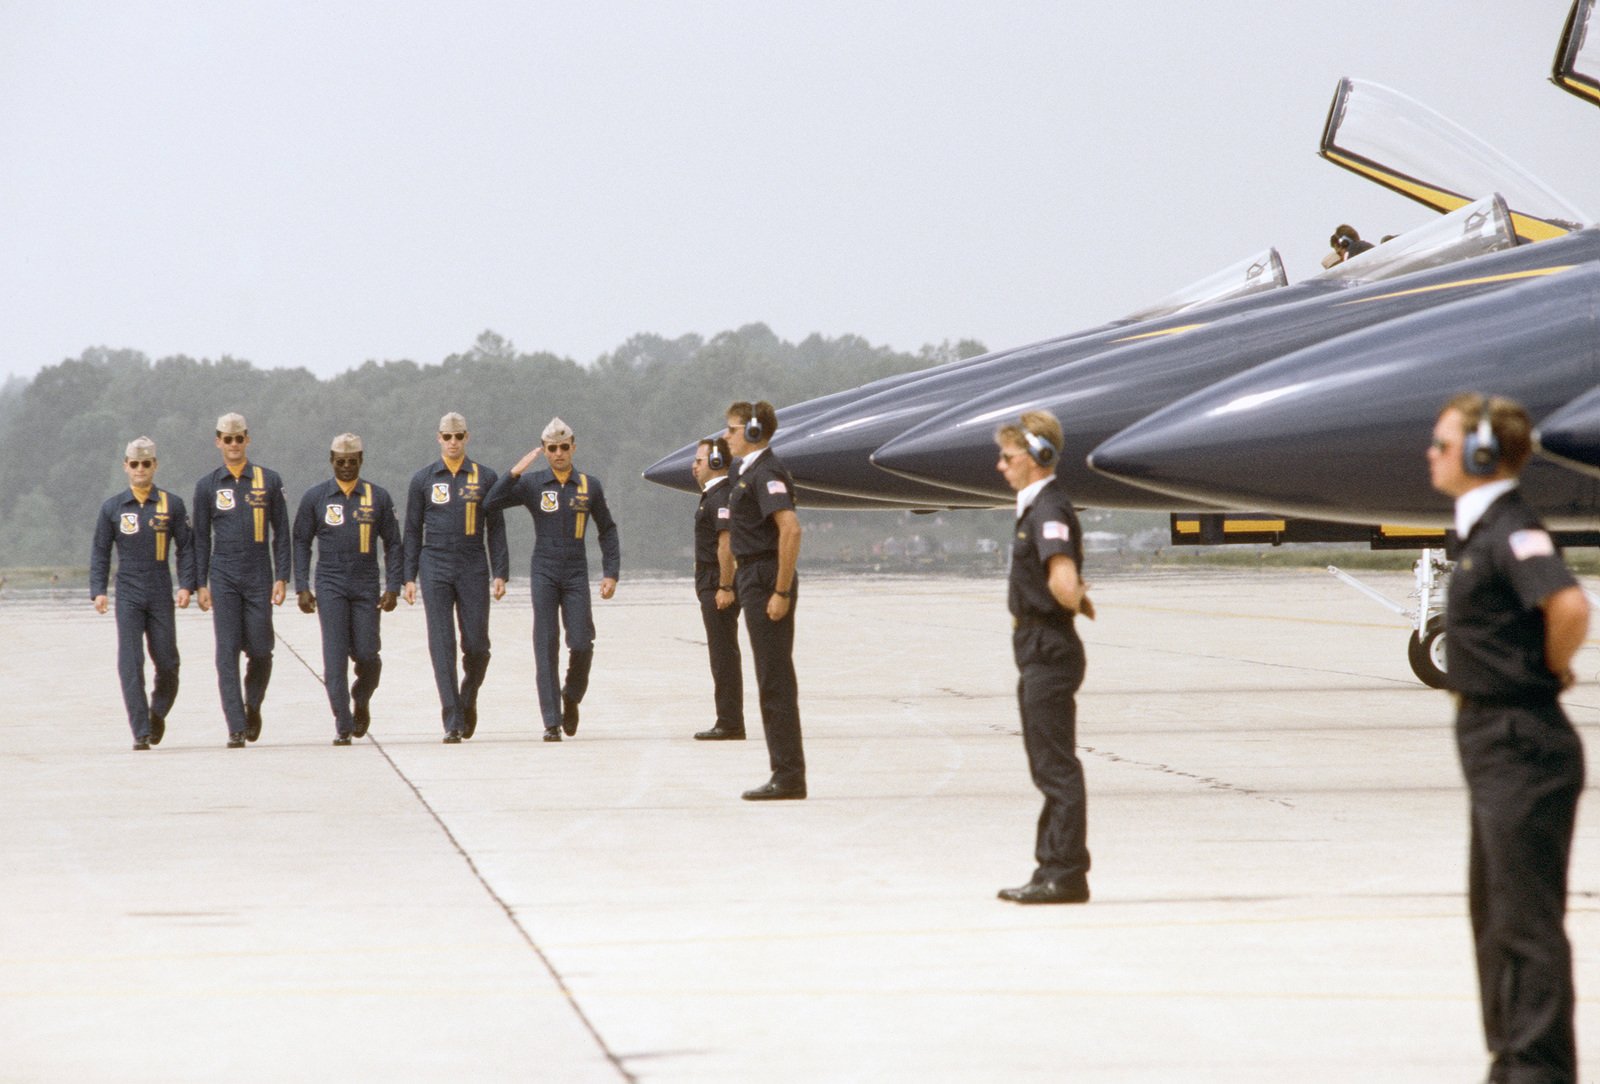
[(235, 438), (1439, 445), (141, 464), (1007, 457), (558, 447), (347, 461), (452, 436)]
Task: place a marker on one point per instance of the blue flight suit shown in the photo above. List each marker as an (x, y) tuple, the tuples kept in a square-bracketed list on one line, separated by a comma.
[(559, 574), (347, 529), (144, 533), (447, 527), (234, 557)]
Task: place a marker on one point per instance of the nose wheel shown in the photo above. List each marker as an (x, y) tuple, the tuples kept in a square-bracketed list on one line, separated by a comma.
[(1427, 654)]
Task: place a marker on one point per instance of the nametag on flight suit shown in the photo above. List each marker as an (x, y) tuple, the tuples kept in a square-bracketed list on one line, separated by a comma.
[(130, 523), (549, 501), (580, 502), (441, 493), (225, 502), (472, 491), (364, 515), (333, 515)]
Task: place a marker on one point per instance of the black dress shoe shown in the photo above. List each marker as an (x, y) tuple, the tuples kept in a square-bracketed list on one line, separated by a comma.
[(720, 733), (363, 719), (552, 733), (252, 723), (235, 741), (569, 715), (775, 792), (158, 729), (453, 738), (342, 739), (141, 745), (469, 720), (1048, 892)]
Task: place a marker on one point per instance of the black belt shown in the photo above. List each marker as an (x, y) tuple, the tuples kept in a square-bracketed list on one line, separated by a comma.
[(1036, 621), (751, 558)]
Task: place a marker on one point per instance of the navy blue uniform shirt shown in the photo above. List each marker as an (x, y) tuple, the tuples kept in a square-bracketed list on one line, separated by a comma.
[(445, 515), (1048, 528), (1494, 626), (347, 529), (762, 489), (143, 534), (562, 512), (232, 517), (711, 518)]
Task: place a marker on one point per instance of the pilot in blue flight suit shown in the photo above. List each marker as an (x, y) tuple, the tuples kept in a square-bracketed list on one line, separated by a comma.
[(347, 517), (562, 501), (447, 527), (144, 523), (240, 571)]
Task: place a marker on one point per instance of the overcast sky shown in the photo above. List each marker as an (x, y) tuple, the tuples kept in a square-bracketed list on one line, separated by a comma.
[(317, 184)]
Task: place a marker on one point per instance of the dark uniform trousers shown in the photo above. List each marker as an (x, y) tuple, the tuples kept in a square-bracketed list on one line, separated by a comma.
[(772, 644), (349, 621), (559, 584), (145, 613), (1050, 663), (722, 644), (1524, 768), (456, 582), (241, 617)]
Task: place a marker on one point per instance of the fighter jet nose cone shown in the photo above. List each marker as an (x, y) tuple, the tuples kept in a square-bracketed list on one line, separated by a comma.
[(1572, 434), (673, 471), (958, 458), (1163, 457)]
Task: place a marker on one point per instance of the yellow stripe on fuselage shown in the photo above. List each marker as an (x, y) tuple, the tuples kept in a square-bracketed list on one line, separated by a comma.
[(1512, 276), (1157, 334)]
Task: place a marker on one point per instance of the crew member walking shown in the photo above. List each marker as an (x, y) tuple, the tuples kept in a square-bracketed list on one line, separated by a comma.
[(144, 524), (447, 529), (1514, 619), (713, 570), (563, 501), (764, 537), (1045, 595), (347, 517), (242, 573)]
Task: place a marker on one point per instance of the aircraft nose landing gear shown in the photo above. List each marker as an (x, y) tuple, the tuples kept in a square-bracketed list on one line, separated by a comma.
[(1426, 648)]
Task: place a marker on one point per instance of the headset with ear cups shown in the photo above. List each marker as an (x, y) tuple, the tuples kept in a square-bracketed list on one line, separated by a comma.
[(714, 457), (754, 431), (1041, 451), (1480, 449)]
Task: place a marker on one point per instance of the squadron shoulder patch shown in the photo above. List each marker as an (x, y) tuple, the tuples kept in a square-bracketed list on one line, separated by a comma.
[(1531, 543)]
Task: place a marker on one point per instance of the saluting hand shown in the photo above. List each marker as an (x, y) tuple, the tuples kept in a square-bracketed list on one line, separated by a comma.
[(527, 461)]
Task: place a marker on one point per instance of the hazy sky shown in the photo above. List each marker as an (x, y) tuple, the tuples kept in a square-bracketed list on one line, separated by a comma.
[(318, 184)]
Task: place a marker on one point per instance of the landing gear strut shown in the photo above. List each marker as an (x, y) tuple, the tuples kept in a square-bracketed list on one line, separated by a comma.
[(1426, 649)]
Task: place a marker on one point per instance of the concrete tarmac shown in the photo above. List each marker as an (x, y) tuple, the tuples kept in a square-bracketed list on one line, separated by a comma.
[(1277, 820)]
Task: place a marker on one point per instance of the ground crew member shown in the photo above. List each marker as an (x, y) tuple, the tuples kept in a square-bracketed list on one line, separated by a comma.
[(713, 569), (563, 501), (1514, 619), (145, 524), (1046, 593), (242, 573), (764, 537), (447, 529), (347, 517)]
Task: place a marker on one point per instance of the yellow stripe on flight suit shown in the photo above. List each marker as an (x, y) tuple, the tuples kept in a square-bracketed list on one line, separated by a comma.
[(259, 485), (577, 522), (161, 532), (471, 522), (366, 528)]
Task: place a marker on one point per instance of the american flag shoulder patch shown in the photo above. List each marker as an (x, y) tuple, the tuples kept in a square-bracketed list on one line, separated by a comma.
[(776, 486), (1531, 543), (1054, 528), (724, 513)]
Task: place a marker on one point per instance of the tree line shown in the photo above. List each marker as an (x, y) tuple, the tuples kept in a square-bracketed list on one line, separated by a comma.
[(62, 433)]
